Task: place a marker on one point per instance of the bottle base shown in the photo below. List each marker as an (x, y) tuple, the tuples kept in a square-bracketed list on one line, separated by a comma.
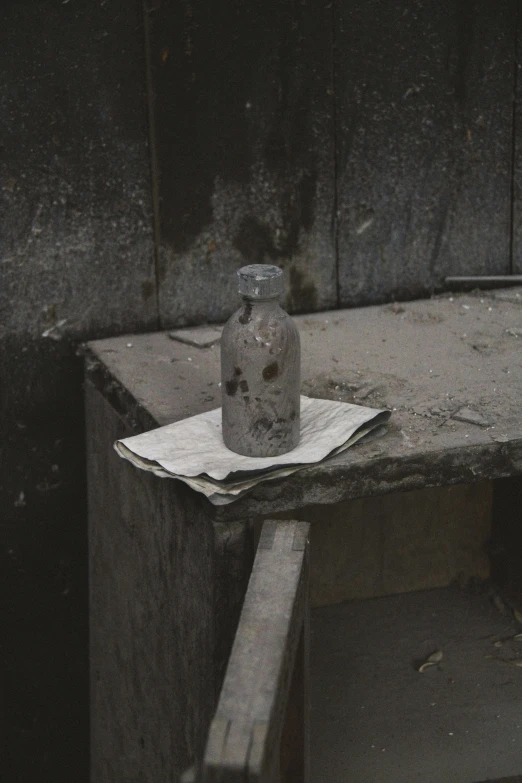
[(260, 449)]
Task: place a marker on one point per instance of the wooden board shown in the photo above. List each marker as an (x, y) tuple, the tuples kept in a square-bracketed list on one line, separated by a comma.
[(245, 734), (506, 543), (166, 588), (424, 98), (401, 542), (75, 200), (243, 151)]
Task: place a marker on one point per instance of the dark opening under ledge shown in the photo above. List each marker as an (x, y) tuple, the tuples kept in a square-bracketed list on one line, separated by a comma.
[(375, 718)]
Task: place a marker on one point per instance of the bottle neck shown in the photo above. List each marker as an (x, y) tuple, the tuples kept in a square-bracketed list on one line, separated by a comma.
[(272, 303)]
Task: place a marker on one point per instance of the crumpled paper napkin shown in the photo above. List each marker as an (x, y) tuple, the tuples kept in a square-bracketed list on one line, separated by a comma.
[(192, 450)]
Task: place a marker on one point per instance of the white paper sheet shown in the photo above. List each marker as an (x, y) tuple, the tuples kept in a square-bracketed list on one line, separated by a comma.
[(192, 450)]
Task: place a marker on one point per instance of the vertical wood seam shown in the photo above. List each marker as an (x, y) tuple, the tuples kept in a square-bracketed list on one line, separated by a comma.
[(335, 216), (153, 159), (513, 142)]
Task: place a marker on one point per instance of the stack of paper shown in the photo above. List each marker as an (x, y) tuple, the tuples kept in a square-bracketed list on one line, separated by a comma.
[(193, 451)]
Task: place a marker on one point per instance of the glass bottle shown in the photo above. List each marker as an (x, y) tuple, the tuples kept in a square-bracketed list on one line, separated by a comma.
[(260, 368)]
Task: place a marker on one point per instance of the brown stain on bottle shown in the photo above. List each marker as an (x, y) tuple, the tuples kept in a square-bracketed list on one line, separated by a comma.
[(231, 387), (262, 426), (246, 315), (271, 371)]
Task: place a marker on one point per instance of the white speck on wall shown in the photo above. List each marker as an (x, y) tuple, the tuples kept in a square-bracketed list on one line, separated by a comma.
[(364, 226)]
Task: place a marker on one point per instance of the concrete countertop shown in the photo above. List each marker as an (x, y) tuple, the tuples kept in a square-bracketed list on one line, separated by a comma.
[(449, 368)]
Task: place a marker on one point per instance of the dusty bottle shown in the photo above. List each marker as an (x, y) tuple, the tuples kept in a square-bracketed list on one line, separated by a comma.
[(260, 368)]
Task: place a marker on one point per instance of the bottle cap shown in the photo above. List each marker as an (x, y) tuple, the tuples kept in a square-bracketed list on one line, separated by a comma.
[(260, 281)]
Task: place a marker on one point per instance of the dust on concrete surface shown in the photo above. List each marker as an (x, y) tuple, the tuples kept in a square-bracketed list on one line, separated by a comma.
[(431, 359), (455, 409), (428, 358)]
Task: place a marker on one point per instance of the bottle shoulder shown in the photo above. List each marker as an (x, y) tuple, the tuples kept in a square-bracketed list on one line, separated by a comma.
[(257, 338), (250, 318)]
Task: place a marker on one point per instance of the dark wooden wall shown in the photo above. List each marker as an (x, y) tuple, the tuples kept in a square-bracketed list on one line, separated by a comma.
[(244, 150), (424, 97), (76, 260), (367, 147), (370, 148)]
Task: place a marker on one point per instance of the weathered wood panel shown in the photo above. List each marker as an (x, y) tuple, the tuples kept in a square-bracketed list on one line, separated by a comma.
[(245, 735), (151, 636), (399, 543), (76, 260), (295, 740), (424, 95), (506, 539), (76, 245), (243, 139), (166, 589)]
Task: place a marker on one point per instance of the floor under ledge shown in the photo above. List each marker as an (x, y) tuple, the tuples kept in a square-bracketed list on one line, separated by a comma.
[(376, 719)]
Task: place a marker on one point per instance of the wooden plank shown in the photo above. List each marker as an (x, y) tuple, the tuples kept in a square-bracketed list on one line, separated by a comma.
[(401, 542), (506, 539), (166, 588), (151, 616), (243, 148), (245, 734), (424, 97), (295, 740)]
